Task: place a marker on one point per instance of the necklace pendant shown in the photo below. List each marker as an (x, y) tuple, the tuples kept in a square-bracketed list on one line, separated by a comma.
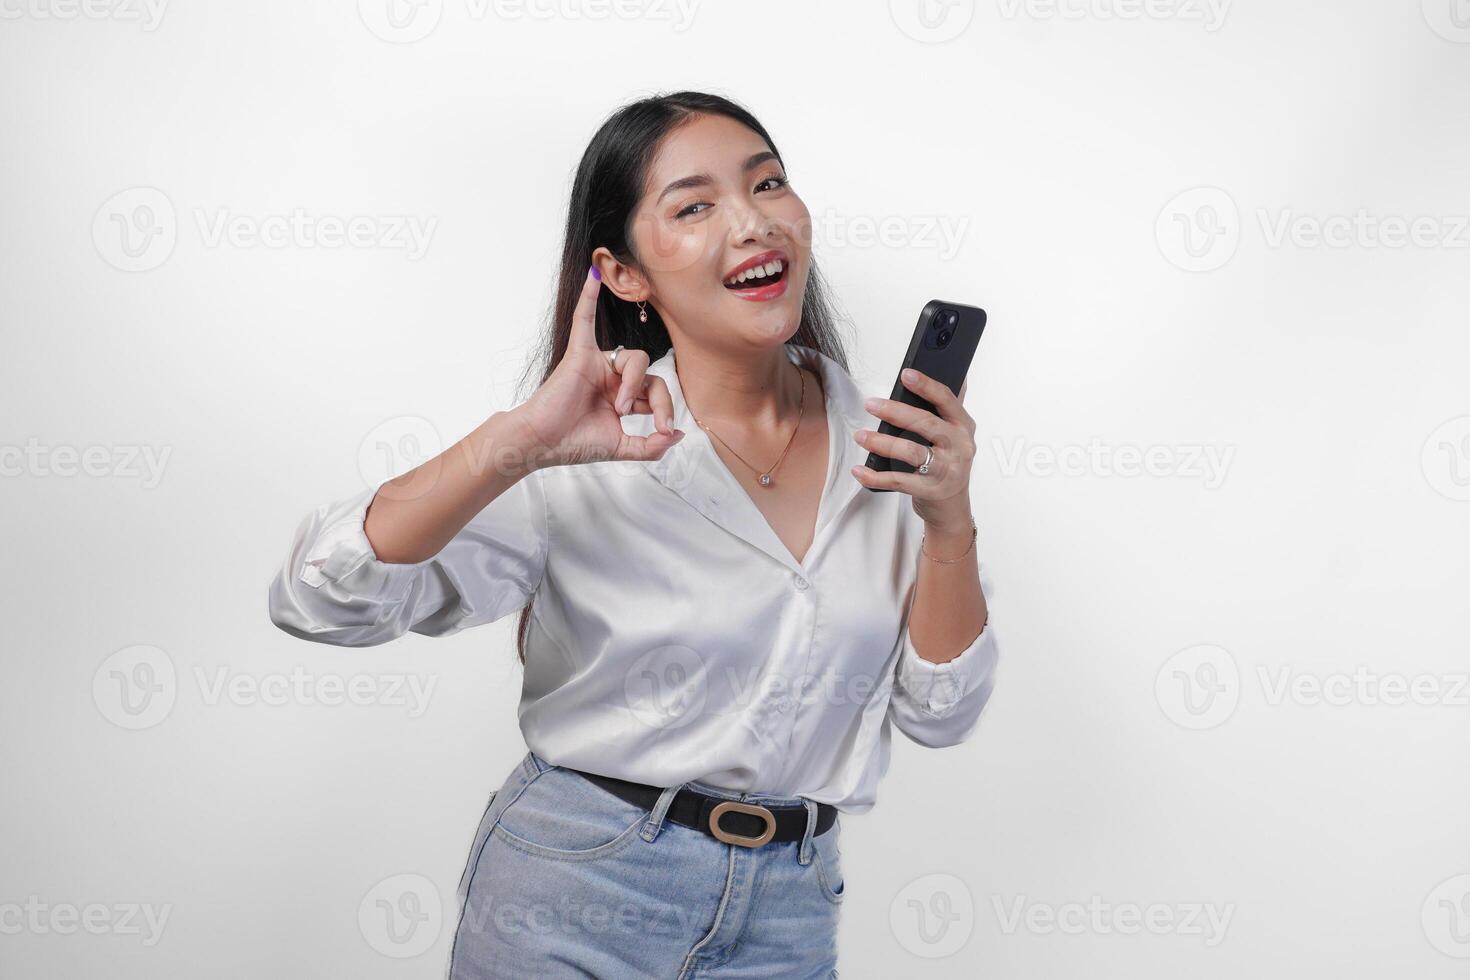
[(765, 479)]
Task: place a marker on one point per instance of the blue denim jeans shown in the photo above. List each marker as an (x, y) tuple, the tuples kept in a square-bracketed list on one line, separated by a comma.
[(564, 879)]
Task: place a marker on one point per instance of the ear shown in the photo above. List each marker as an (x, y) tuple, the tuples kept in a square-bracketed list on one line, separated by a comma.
[(621, 280)]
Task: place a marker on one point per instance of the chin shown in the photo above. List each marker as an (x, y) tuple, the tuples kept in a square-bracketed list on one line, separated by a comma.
[(773, 331)]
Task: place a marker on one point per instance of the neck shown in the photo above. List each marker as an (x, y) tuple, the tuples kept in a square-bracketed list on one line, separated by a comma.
[(741, 392)]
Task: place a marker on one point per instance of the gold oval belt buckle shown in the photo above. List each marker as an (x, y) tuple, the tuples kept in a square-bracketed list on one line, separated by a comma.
[(754, 809)]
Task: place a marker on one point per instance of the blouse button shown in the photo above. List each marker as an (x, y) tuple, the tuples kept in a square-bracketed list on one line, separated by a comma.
[(801, 584)]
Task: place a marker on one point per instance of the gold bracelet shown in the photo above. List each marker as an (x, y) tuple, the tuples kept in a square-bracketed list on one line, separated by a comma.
[(950, 561)]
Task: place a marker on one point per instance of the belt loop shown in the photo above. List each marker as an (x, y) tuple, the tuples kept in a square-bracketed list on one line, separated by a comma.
[(656, 815), (804, 853), (534, 765)]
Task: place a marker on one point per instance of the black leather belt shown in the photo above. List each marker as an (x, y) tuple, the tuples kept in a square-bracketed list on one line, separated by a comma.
[(746, 824)]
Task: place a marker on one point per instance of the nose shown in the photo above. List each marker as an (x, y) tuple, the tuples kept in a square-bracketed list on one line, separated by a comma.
[(749, 223)]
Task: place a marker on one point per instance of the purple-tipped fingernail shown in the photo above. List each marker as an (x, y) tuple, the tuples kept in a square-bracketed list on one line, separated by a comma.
[(596, 275)]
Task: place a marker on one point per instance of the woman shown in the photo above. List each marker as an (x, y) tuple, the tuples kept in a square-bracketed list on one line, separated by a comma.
[(717, 624)]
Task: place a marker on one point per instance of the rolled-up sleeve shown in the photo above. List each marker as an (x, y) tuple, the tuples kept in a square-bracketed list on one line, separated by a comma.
[(938, 705), (333, 589)]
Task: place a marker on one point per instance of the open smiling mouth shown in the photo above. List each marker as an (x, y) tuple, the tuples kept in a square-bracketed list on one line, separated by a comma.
[(761, 276)]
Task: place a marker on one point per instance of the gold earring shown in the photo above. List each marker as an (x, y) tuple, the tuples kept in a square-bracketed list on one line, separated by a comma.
[(642, 313)]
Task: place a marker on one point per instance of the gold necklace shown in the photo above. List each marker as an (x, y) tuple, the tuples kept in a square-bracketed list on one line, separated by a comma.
[(764, 478)]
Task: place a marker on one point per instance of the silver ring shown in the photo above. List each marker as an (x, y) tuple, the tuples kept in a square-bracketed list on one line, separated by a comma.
[(613, 356), (924, 466)]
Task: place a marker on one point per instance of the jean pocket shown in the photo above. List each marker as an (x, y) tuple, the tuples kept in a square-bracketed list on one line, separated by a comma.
[(561, 815), (828, 860)]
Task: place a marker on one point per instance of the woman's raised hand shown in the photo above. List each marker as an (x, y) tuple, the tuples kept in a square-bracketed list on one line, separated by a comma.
[(575, 416)]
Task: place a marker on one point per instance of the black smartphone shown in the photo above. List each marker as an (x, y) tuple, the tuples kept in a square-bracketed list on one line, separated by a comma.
[(942, 347)]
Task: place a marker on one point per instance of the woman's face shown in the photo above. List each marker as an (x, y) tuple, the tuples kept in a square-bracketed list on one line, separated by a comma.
[(717, 199)]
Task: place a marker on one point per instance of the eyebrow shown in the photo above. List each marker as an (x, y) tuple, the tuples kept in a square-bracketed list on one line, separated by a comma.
[(702, 180)]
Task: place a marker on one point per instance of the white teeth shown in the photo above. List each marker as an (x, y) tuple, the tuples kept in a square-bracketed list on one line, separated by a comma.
[(758, 272)]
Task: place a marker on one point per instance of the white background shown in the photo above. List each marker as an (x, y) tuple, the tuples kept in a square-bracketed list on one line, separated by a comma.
[(1054, 143)]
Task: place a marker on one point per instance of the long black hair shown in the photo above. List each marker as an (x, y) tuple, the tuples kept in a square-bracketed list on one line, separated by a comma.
[(605, 193)]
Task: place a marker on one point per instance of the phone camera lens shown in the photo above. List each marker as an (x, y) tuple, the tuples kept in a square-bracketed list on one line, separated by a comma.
[(941, 329)]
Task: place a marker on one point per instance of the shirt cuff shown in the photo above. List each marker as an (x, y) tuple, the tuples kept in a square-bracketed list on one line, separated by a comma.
[(343, 555), (939, 688)]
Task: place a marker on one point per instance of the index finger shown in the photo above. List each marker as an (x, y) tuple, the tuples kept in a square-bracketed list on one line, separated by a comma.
[(937, 393), (584, 315), (661, 403)]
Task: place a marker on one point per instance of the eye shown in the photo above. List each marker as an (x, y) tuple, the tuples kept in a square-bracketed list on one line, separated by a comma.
[(777, 181)]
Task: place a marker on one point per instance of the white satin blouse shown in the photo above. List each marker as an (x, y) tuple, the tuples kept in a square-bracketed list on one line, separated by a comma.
[(673, 637)]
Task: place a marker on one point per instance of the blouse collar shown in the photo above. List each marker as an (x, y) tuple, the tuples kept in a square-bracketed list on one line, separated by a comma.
[(692, 469)]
